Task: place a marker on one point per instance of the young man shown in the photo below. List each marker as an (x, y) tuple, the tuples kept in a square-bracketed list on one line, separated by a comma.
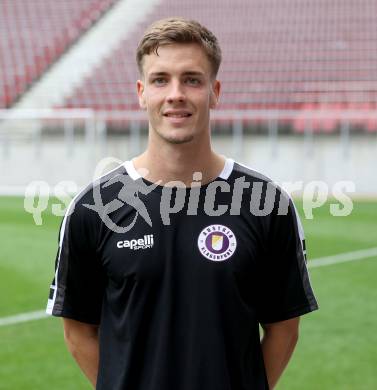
[(163, 280)]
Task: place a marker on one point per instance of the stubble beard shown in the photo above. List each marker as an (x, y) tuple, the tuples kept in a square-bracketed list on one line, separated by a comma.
[(175, 140)]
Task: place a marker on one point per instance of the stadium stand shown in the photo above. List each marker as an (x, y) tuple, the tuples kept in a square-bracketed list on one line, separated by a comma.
[(277, 54), (283, 54), (35, 33)]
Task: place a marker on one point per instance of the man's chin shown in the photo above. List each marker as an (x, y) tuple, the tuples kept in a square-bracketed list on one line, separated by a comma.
[(177, 138)]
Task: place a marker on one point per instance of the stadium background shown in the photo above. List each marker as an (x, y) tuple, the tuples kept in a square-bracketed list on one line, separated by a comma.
[(299, 103)]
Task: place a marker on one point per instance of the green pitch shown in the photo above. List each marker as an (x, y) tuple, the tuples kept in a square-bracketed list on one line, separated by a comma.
[(338, 343)]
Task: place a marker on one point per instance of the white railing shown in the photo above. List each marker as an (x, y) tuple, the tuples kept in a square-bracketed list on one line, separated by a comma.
[(15, 124), (77, 140)]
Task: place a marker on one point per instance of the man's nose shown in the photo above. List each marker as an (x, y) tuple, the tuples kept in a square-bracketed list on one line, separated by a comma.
[(176, 93)]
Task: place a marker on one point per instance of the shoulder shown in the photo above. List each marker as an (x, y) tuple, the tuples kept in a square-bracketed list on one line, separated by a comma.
[(101, 188), (259, 184), (87, 205), (246, 171)]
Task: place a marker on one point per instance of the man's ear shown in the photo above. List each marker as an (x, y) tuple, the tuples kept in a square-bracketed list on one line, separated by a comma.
[(140, 94), (215, 93)]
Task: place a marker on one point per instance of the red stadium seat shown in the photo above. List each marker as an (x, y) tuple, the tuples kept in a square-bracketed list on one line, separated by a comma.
[(35, 33), (276, 54)]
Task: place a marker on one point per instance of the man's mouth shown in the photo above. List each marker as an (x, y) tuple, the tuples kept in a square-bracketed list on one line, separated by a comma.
[(182, 114)]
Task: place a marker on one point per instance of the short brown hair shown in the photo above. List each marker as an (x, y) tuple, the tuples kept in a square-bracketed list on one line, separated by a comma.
[(179, 30)]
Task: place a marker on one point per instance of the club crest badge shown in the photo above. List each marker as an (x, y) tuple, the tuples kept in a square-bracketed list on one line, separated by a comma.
[(217, 242)]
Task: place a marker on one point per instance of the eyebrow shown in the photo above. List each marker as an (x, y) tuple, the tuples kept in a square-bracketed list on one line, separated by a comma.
[(188, 73)]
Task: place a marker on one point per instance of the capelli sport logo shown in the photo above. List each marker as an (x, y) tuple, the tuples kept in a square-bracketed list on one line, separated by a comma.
[(137, 243)]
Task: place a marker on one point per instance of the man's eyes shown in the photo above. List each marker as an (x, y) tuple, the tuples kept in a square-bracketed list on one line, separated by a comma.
[(193, 81), (159, 81), (190, 80)]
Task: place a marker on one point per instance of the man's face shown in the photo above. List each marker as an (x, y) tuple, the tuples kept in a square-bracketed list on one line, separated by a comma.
[(178, 91)]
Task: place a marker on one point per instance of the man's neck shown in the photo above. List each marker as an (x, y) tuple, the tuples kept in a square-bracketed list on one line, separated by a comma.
[(171, 162)]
